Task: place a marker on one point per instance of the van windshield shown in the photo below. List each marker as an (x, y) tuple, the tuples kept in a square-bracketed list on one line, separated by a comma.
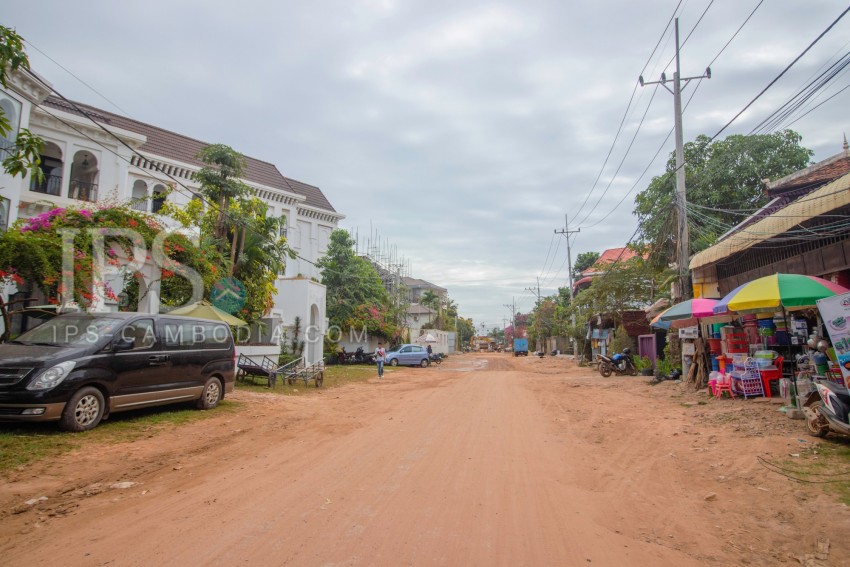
[(75, 331)]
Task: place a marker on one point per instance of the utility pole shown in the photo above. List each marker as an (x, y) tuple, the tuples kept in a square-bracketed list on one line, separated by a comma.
[(683, 246), (536, 319), (566, 232), (512, 307)]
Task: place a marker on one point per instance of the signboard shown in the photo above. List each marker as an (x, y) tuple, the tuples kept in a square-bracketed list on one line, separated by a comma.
[(835, 312), (689, 332)]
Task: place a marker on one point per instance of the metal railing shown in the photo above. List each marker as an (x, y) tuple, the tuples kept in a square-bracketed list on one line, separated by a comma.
[(50, 185), (83, 190)]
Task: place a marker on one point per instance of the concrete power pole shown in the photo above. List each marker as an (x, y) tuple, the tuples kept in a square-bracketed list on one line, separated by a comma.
[(537, 319), (566, 232), (683, 246), (512, 307)]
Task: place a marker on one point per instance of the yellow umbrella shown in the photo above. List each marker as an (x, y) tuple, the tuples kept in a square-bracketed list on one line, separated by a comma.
[(205, 310)]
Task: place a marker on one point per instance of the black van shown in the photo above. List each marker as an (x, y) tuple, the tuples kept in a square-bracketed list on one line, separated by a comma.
[(78, 368)]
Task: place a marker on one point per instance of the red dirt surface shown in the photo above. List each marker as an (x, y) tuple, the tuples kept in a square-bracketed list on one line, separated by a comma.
[(484, 460)]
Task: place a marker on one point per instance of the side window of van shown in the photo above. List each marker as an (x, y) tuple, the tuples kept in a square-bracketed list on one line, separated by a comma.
[(212, 336), (177, 336), (141, 333)]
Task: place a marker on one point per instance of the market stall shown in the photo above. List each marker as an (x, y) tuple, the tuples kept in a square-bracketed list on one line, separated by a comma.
[(777, 317)]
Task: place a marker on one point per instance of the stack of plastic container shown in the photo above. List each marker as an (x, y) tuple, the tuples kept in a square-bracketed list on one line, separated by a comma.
[(766, 329), (782, 336)]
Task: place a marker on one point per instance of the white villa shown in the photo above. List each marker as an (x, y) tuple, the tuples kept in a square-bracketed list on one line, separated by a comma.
[(94, 156)]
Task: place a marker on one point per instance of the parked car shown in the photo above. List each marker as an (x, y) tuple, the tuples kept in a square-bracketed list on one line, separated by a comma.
[(78, 368), (408, 355)]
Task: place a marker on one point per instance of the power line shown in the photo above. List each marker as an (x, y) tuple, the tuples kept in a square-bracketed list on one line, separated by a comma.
[(626, 113), (773, 82)]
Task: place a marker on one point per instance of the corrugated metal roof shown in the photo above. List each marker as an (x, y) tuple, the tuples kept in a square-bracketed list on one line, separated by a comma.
[(828, 198)]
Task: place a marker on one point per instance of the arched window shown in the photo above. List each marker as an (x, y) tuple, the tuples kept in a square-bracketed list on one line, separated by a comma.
[(84, 176), (139, 196), (51, 166), (12, 110), (158, 197)]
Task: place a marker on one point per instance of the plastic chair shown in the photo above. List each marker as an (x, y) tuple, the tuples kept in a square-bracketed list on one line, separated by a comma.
[(724, 384), (749, 383)]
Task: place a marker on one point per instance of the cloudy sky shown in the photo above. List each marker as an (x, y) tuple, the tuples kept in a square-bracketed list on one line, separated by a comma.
[(462, 132)]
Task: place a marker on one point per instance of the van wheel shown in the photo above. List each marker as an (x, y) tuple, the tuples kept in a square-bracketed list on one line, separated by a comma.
[(424, 363), (83, 411), (211, 395), (394, 362)]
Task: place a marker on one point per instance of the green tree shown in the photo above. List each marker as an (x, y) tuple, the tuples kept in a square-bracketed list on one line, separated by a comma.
[(724, 184), (629, 285), (356, 296), (237, 225), (583, 262), (465, 331), (25, 154), (221, 183), (432, 301)]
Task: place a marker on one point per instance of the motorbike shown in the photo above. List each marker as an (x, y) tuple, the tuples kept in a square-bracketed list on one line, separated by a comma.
[(363, 357), (620, 364), (827, 409), (435, 357)]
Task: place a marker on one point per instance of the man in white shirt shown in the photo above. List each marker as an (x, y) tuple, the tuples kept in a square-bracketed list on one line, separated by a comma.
[(380, 357)]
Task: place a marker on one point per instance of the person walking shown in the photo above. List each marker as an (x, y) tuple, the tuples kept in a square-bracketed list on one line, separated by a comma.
[(380, 357)]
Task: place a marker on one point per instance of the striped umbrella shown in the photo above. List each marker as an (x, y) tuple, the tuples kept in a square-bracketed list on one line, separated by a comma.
[(787, 291)]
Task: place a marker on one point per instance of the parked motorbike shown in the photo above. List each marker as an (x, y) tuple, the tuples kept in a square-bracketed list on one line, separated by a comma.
[(362, 357), (827, 409), (620, 364), (435, 357)]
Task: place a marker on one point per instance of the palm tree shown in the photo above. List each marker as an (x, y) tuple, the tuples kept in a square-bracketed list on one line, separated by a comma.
[(430, 300)]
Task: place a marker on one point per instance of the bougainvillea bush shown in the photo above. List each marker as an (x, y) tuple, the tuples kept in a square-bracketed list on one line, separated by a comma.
[(32, 249)]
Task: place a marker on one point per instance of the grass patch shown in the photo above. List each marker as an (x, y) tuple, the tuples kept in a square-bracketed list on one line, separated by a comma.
[(25, 443), (826, 464), (335, 376)]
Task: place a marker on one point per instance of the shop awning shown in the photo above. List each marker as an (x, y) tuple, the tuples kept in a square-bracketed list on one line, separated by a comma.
[(828, 198)]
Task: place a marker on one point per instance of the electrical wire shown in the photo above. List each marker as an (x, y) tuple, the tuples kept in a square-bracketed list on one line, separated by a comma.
[(687, 104), (781, 74), (626, 113)]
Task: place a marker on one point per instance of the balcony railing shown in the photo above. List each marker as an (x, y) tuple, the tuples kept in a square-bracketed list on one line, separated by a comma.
[(140, 206), (83, 190), (50, 185)]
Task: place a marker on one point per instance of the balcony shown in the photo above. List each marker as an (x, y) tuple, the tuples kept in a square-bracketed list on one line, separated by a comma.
[(83, 190), (50, 185)]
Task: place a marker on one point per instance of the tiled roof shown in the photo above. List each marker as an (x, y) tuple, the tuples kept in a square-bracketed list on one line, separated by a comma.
[(813, 176), (798, 184), (609, 257), (177, 147)]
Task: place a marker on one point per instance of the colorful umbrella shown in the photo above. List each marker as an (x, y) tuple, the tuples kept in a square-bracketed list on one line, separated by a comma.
[(658, 324), (685, 314), (788, 291)]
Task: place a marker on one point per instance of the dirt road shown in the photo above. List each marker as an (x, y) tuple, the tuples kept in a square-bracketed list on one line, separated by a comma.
[(485, 460)]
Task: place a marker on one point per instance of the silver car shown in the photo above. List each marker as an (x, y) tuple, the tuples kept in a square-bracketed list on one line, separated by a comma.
[(408, 355)]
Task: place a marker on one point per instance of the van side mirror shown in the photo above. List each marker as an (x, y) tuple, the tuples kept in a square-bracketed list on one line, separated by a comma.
[(123, 344)]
